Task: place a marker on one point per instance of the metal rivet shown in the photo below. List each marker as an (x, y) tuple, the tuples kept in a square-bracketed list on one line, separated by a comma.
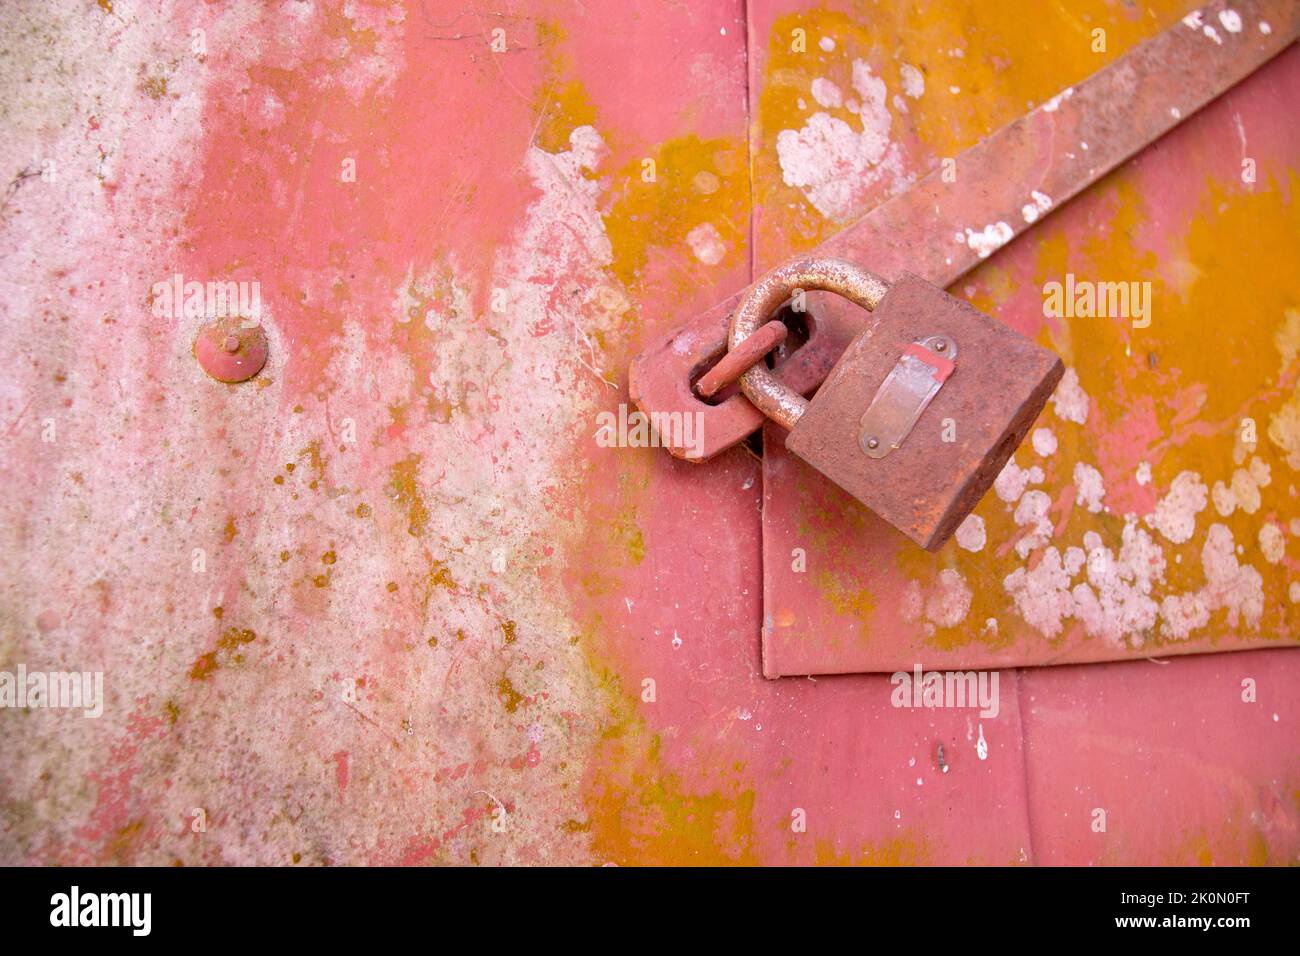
[(940, 345), (229, 352), (873, 443)]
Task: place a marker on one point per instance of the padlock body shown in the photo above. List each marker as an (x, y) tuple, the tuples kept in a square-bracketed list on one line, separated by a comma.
[(993, 391)]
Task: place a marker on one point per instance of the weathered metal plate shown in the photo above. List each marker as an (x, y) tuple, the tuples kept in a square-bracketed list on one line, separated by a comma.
[(1153, 510)]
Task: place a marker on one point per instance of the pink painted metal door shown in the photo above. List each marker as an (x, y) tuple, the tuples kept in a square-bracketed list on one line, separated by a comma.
[(393, 600)]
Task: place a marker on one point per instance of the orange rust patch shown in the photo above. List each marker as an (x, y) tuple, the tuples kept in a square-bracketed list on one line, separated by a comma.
[(510, 698), (226, 651), (404, 489)]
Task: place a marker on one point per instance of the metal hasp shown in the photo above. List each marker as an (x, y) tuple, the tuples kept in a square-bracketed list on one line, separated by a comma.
[(957, 443), (904, 394)]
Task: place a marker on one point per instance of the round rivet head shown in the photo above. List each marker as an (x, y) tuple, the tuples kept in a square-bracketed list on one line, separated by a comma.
[(229, 352), (873, 443)]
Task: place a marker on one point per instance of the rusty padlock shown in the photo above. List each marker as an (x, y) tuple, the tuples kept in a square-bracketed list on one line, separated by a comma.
[(923, 409)]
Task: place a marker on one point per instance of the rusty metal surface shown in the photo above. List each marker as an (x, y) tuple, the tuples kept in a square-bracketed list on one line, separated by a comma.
[(929, 484), (775, 399), (230, 352), (1117, 532), (994, 190), (737, 360), (390, 601)]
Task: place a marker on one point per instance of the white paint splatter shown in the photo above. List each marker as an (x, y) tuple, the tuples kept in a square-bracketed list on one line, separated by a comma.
[(913, 602), (1144, 473), (706, 242), (989, 239), (1041, 202), (1070, 401), (1054, 103), (913, 80), (827, 93), (833, 165), (1089, 487), (1031, 513), (1228, 584), (1243, 489), (950, 600), (1194, 20), (1042, 596), (1175, 514), (1114, 603), (1182, 614), (971, 535), (1213, 34), (1272, 543), (1012, 480), (1264, 28), (1284, 430), (1044, 442), (827, 44), (1231, 20), (982, 746)]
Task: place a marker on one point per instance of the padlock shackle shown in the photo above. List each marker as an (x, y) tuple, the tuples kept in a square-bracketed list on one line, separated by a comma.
[(769, 394)]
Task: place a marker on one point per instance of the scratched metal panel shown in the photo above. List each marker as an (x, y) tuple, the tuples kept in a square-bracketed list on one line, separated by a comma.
[(1153, 509)]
